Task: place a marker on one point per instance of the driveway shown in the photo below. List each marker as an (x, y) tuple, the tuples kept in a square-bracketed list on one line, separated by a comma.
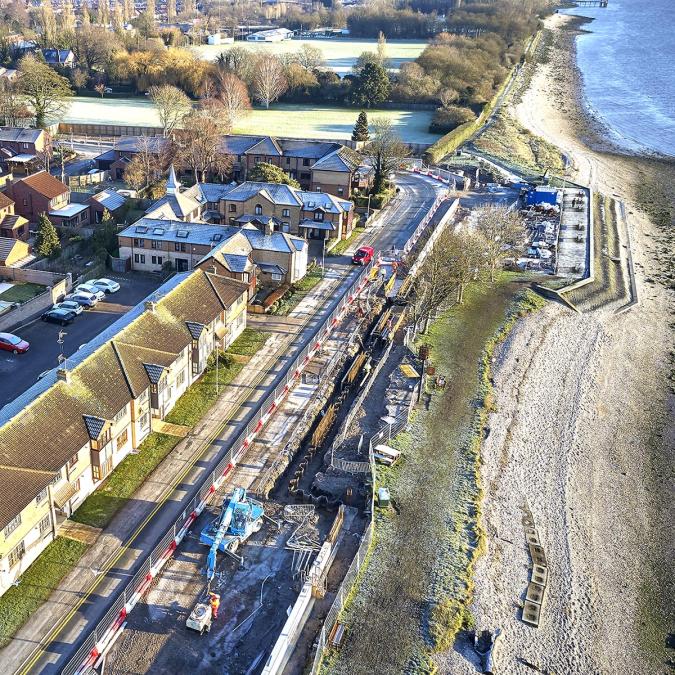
[(19, 372)]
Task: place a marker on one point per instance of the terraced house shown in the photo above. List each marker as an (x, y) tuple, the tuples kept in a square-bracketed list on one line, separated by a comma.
[(61, 439)]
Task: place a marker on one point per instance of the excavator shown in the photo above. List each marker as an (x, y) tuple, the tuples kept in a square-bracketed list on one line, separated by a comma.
[(240, 517)]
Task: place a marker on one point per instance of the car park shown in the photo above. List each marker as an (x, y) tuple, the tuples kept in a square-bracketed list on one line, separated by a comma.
[(106, 285), (61, 316), (90, 288), (70, 305), (13, 343), (83, 298), (364, 255)]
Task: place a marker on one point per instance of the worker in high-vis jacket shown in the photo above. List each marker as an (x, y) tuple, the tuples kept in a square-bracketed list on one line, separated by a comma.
[(215, 603)]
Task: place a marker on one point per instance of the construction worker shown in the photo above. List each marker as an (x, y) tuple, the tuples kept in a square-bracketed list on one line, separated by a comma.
[(215, 603)]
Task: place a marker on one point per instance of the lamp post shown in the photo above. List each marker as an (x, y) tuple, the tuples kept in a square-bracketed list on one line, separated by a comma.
[(323, 257)]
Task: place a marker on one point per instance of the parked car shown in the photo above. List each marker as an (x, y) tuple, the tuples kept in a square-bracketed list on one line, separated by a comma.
[(90, 288), (60, 316), (83, 298), (364, 255), (70, 305), (13, 343), (106, 285)]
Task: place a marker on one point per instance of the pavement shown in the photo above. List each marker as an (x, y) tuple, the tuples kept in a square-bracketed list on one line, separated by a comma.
[(51, 636), (19, 372)]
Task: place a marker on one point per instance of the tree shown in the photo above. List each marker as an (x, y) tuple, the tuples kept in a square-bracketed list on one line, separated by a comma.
[(232, 96), (269, 81), (99, 88), (43, 89), (68, 17), (46, 240), (309, 57), (271, 173), (48, 22), (13, 110), (371, 86), (385, 151), (146, 166), (449, 118), (466, 256), (501, 230), (382, 49), (361, 132), (171, 10), (199, 147), (173, 105), (104, 239)]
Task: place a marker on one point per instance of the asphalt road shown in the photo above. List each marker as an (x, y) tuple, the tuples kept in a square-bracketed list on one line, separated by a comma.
[(417, 195), (19, 372)]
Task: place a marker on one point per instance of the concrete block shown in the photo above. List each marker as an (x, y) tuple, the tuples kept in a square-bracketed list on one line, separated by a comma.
[(539, 574), (535, 593), (531, 613), (537, 554)]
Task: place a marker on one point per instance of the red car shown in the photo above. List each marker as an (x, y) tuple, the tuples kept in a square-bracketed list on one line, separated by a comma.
[(364, 255), (13, 343)]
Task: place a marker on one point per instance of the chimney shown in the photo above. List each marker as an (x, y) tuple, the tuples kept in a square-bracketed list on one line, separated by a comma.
[(63, 374), (150, 305)]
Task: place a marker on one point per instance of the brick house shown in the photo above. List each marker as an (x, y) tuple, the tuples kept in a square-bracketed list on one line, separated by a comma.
[(39, 193), (22, 151), (12, 225)]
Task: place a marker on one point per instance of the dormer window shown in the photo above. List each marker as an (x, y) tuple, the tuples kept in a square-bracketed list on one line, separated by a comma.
[(318, 215), (258, 210)]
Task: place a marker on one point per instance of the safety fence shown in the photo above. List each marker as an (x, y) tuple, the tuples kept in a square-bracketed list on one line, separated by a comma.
[(330, 623), (108, 628)]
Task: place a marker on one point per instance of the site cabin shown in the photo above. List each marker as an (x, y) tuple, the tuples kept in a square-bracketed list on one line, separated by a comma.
[(386, 455)]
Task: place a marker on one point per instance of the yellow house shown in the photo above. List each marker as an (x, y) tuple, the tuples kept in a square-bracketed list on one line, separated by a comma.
[(12, 250)]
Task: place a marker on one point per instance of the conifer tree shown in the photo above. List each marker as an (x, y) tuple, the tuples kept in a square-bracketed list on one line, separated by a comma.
[(360, 132), (46, 240)]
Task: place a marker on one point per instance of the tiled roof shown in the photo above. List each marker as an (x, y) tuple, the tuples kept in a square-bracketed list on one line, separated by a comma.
[(45, 184), (342, 159), (307, 149), (154, 372), (14, 220), (109, 199), (236, 263), (133, 358), (265, 146), (133, 143), (18, 488), (5, 200), (175, 231), (214, 192), (323, 200), (196, 329), (275, 192), (94, 425), (6, 246), (14, 134), (180, 205)]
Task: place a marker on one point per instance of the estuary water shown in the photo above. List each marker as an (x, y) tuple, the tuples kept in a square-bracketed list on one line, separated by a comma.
[(627, 60)]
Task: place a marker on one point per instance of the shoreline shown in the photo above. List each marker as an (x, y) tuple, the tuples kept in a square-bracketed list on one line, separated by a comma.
[(583, 430)]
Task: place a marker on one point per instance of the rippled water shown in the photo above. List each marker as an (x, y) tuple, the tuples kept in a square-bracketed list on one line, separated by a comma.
[(628, 67)]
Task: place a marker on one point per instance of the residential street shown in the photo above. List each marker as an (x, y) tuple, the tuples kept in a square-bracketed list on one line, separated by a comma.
[(85, 595)]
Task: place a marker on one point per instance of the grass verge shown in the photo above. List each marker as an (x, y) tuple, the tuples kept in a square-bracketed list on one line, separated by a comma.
[(37, 583), (416, 588), (249, 342), (297, 292), (344, 244)]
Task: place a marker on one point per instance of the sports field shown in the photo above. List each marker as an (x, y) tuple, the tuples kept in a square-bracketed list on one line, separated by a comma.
[(339, 54), (286, 120)]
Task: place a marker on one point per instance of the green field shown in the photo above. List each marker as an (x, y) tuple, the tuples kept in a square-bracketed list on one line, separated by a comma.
[(286, 120), (339, 54)]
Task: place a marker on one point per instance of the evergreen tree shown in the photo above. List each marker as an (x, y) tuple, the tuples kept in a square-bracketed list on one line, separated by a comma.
[(46, 240), (270, 173), (361, 132), (371, 87)]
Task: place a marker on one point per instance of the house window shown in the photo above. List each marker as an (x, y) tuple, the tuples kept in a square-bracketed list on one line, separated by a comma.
[(286, 213), (16, 554), (285, 227), (142, 258), (45, 524), (56, 478), (305, 162), (276, 276), (137, 258), (340, 190), (154, 260), (72, 461), (153, 244), (121, 439), (12, 525), (317, 188), (42, 495), (232, 208), (288, 160), (181, 378), (258, 210), (120, 415), (139, 243), (144, 421), (159, 259), (318, 215), (232, 220)]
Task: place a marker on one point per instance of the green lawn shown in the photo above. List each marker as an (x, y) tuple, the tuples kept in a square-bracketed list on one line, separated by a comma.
[(282, 119), (21, 292), (98, 509), (249, 342), (344, 244), (37, 583), (297, 292)]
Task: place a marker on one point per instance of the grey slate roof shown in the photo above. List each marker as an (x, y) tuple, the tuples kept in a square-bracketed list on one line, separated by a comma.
[(168, 230), (131, 143), (214, 192), (307, 149), (154, 372), (94, 425), (342, 159), (236, 263), (322, 200), (6, 246), (195, 329), (275, 192), (265, 146), (110, 199), (21, 135)]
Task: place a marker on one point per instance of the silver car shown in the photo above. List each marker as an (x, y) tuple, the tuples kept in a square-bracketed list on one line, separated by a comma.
[(70, 305)]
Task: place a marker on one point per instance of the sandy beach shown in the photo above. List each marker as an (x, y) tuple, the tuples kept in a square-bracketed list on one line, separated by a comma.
[(583, 435)]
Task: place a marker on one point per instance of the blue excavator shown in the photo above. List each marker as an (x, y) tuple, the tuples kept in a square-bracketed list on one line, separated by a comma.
[(240, 517)]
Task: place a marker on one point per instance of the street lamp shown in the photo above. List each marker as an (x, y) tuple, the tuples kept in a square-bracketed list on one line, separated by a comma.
[(323, 257)]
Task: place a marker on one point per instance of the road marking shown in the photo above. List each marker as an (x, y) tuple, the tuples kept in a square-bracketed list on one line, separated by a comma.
[(25, 668)]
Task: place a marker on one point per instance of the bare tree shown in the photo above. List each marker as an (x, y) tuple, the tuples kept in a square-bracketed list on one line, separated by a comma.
[(502, 231), (232, 97), (269, 81), (309, 57), (199, 147), (43, 89), (173, 105), (385, 151), (466, 257), (147, 165)]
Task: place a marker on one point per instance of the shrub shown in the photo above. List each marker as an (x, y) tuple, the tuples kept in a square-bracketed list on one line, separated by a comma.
[(447, 119)]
